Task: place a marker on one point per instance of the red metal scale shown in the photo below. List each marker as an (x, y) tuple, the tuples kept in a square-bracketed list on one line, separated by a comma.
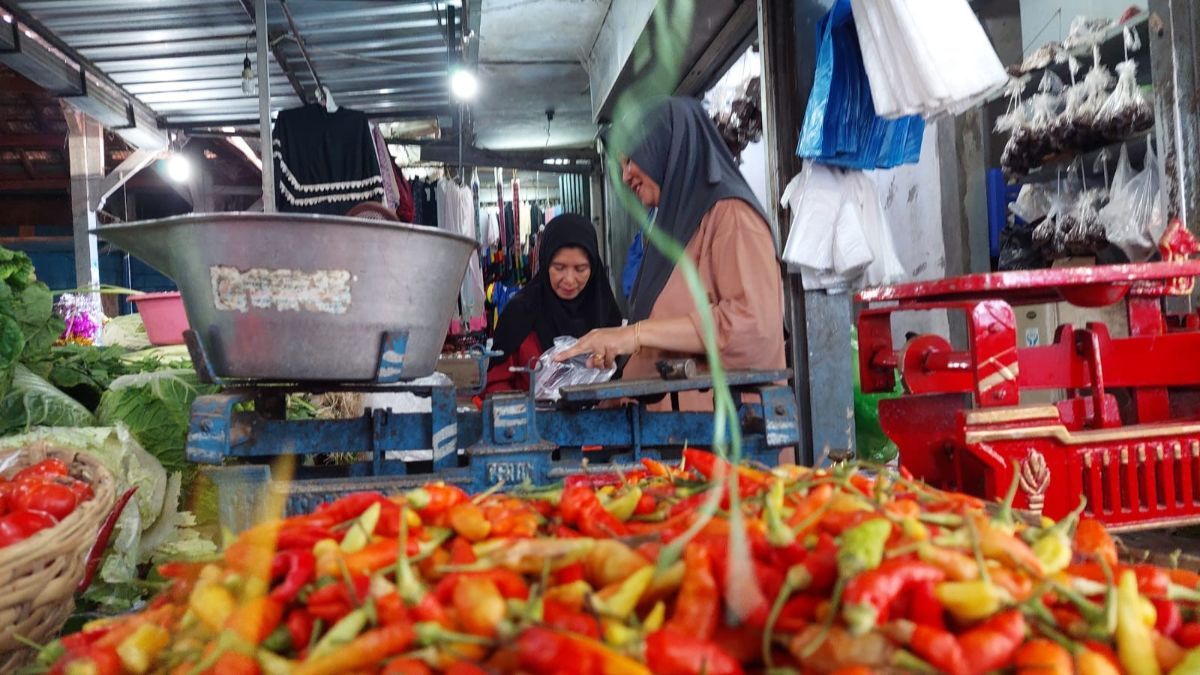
[(1126, 435)]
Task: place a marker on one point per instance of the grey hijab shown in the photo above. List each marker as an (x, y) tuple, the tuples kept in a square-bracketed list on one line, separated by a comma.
[(683, 152)]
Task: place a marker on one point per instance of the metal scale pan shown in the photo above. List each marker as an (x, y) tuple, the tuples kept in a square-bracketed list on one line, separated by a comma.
[(306, 298)]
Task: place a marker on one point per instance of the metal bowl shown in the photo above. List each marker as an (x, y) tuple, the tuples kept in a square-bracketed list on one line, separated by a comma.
[(296, 297)]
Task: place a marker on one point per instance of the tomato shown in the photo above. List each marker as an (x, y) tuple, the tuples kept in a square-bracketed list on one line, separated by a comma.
[(21, 525), (52, 498), (46, 467), (81, 489), (6, 491)]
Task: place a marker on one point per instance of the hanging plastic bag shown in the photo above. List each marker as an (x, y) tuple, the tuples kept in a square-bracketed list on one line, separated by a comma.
[(1031, 142), (1083, 232), (1126, 111), (551, 375), (1076, 129), (1133, 218), (1017, 250), (1123, 173), (1032, 203)]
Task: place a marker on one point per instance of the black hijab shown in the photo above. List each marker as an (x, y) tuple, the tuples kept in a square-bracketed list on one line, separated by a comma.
[(536, 308), (681, 149)]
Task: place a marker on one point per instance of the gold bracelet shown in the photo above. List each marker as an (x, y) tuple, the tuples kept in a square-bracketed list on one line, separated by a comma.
[(637, 338)]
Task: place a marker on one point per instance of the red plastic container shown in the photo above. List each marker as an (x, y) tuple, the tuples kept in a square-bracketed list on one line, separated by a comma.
[(164, 317)]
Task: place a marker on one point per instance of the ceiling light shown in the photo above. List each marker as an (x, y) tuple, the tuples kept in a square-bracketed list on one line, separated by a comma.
[(8, 18), (228, 130), (247, 77), (463, 84), (179, 169)]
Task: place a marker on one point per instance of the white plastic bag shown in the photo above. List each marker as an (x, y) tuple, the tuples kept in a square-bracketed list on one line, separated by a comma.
[(925, 56), (1133, 218), (551, 375)]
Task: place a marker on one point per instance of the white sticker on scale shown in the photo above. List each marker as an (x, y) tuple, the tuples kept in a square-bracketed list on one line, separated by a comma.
[(323, 291), (1032, 337)]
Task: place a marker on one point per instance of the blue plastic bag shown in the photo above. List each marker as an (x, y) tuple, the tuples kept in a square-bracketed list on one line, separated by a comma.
[(840, 125)]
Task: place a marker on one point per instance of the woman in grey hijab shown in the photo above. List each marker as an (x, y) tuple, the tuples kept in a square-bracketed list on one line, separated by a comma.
[(682, 167)]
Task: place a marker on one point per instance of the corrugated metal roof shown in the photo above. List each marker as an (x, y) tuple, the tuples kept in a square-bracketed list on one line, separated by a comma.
[(183, 58)]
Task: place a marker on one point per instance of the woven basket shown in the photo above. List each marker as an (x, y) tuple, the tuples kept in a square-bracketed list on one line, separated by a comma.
[(38, 576)]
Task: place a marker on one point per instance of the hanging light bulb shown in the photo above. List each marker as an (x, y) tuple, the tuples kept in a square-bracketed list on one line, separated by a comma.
[(179, 169), (463, 84), (248, 84)]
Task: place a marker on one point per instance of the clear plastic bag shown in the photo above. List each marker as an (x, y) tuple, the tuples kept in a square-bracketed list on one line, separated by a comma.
[(1076, 128), (1032, 203), (1083, 233), (1031, 142), (1126, 111), (1133, 218), (1124, 172), (551, 376)]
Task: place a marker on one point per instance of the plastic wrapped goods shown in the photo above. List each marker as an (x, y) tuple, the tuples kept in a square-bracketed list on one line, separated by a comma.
[(925, 57)]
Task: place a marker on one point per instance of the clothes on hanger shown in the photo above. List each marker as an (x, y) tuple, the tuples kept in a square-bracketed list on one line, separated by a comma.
[(324, 162), (404, 209), (387, 172), (456, 214), (429, 212)]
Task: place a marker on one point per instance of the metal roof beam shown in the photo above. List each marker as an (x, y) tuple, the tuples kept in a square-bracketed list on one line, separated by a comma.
[(210, 121), (48, 60)]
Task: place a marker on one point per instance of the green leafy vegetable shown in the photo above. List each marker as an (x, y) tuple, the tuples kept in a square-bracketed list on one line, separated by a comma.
[(127, 331), (156, 407), (85, 372), (33, 402)]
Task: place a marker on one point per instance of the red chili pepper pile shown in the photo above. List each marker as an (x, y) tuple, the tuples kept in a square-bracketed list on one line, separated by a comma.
[(38, 497), (834, 572)]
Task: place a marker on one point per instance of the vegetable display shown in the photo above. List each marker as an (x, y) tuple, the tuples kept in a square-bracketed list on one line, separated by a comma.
[(840, 571), (38, 497)]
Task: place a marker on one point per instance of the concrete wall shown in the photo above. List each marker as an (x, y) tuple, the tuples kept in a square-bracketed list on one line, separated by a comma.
[(618, 34)]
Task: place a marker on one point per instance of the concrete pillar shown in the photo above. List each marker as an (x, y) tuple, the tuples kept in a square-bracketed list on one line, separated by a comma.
[(85, 145)]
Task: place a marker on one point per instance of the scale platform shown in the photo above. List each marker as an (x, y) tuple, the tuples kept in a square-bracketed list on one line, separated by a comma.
[(512, 439)]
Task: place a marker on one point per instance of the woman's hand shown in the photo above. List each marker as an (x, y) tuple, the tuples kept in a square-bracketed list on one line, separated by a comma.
[(604, 345)]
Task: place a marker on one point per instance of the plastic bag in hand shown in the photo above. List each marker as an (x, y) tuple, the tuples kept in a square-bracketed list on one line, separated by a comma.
[(552, 376), (1133, 218), (1126, 111)]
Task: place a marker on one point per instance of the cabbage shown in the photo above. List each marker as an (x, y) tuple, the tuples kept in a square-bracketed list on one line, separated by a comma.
[(33, 402), (156, 407), (126, 331)]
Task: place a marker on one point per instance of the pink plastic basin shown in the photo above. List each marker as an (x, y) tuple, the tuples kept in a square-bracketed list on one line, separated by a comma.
[(164, 317)]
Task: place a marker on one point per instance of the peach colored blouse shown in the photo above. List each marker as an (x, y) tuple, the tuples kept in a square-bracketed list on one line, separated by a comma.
[(735, 256)]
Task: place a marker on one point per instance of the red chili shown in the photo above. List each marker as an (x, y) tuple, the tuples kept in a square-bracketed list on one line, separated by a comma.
[(334, 601), (300, 627), (301, 536), (1188, 635), (558, 615), (297, 568), (924, 608), (870, 595), (581, 508), (1170, 619), (711, 466), (97, 552), (989, 646), (350, 506), (680, 653), (510, 584), (698, 605)]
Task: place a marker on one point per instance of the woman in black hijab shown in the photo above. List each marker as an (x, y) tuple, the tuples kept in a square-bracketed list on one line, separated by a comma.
[(681, 166), (569, 295)]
